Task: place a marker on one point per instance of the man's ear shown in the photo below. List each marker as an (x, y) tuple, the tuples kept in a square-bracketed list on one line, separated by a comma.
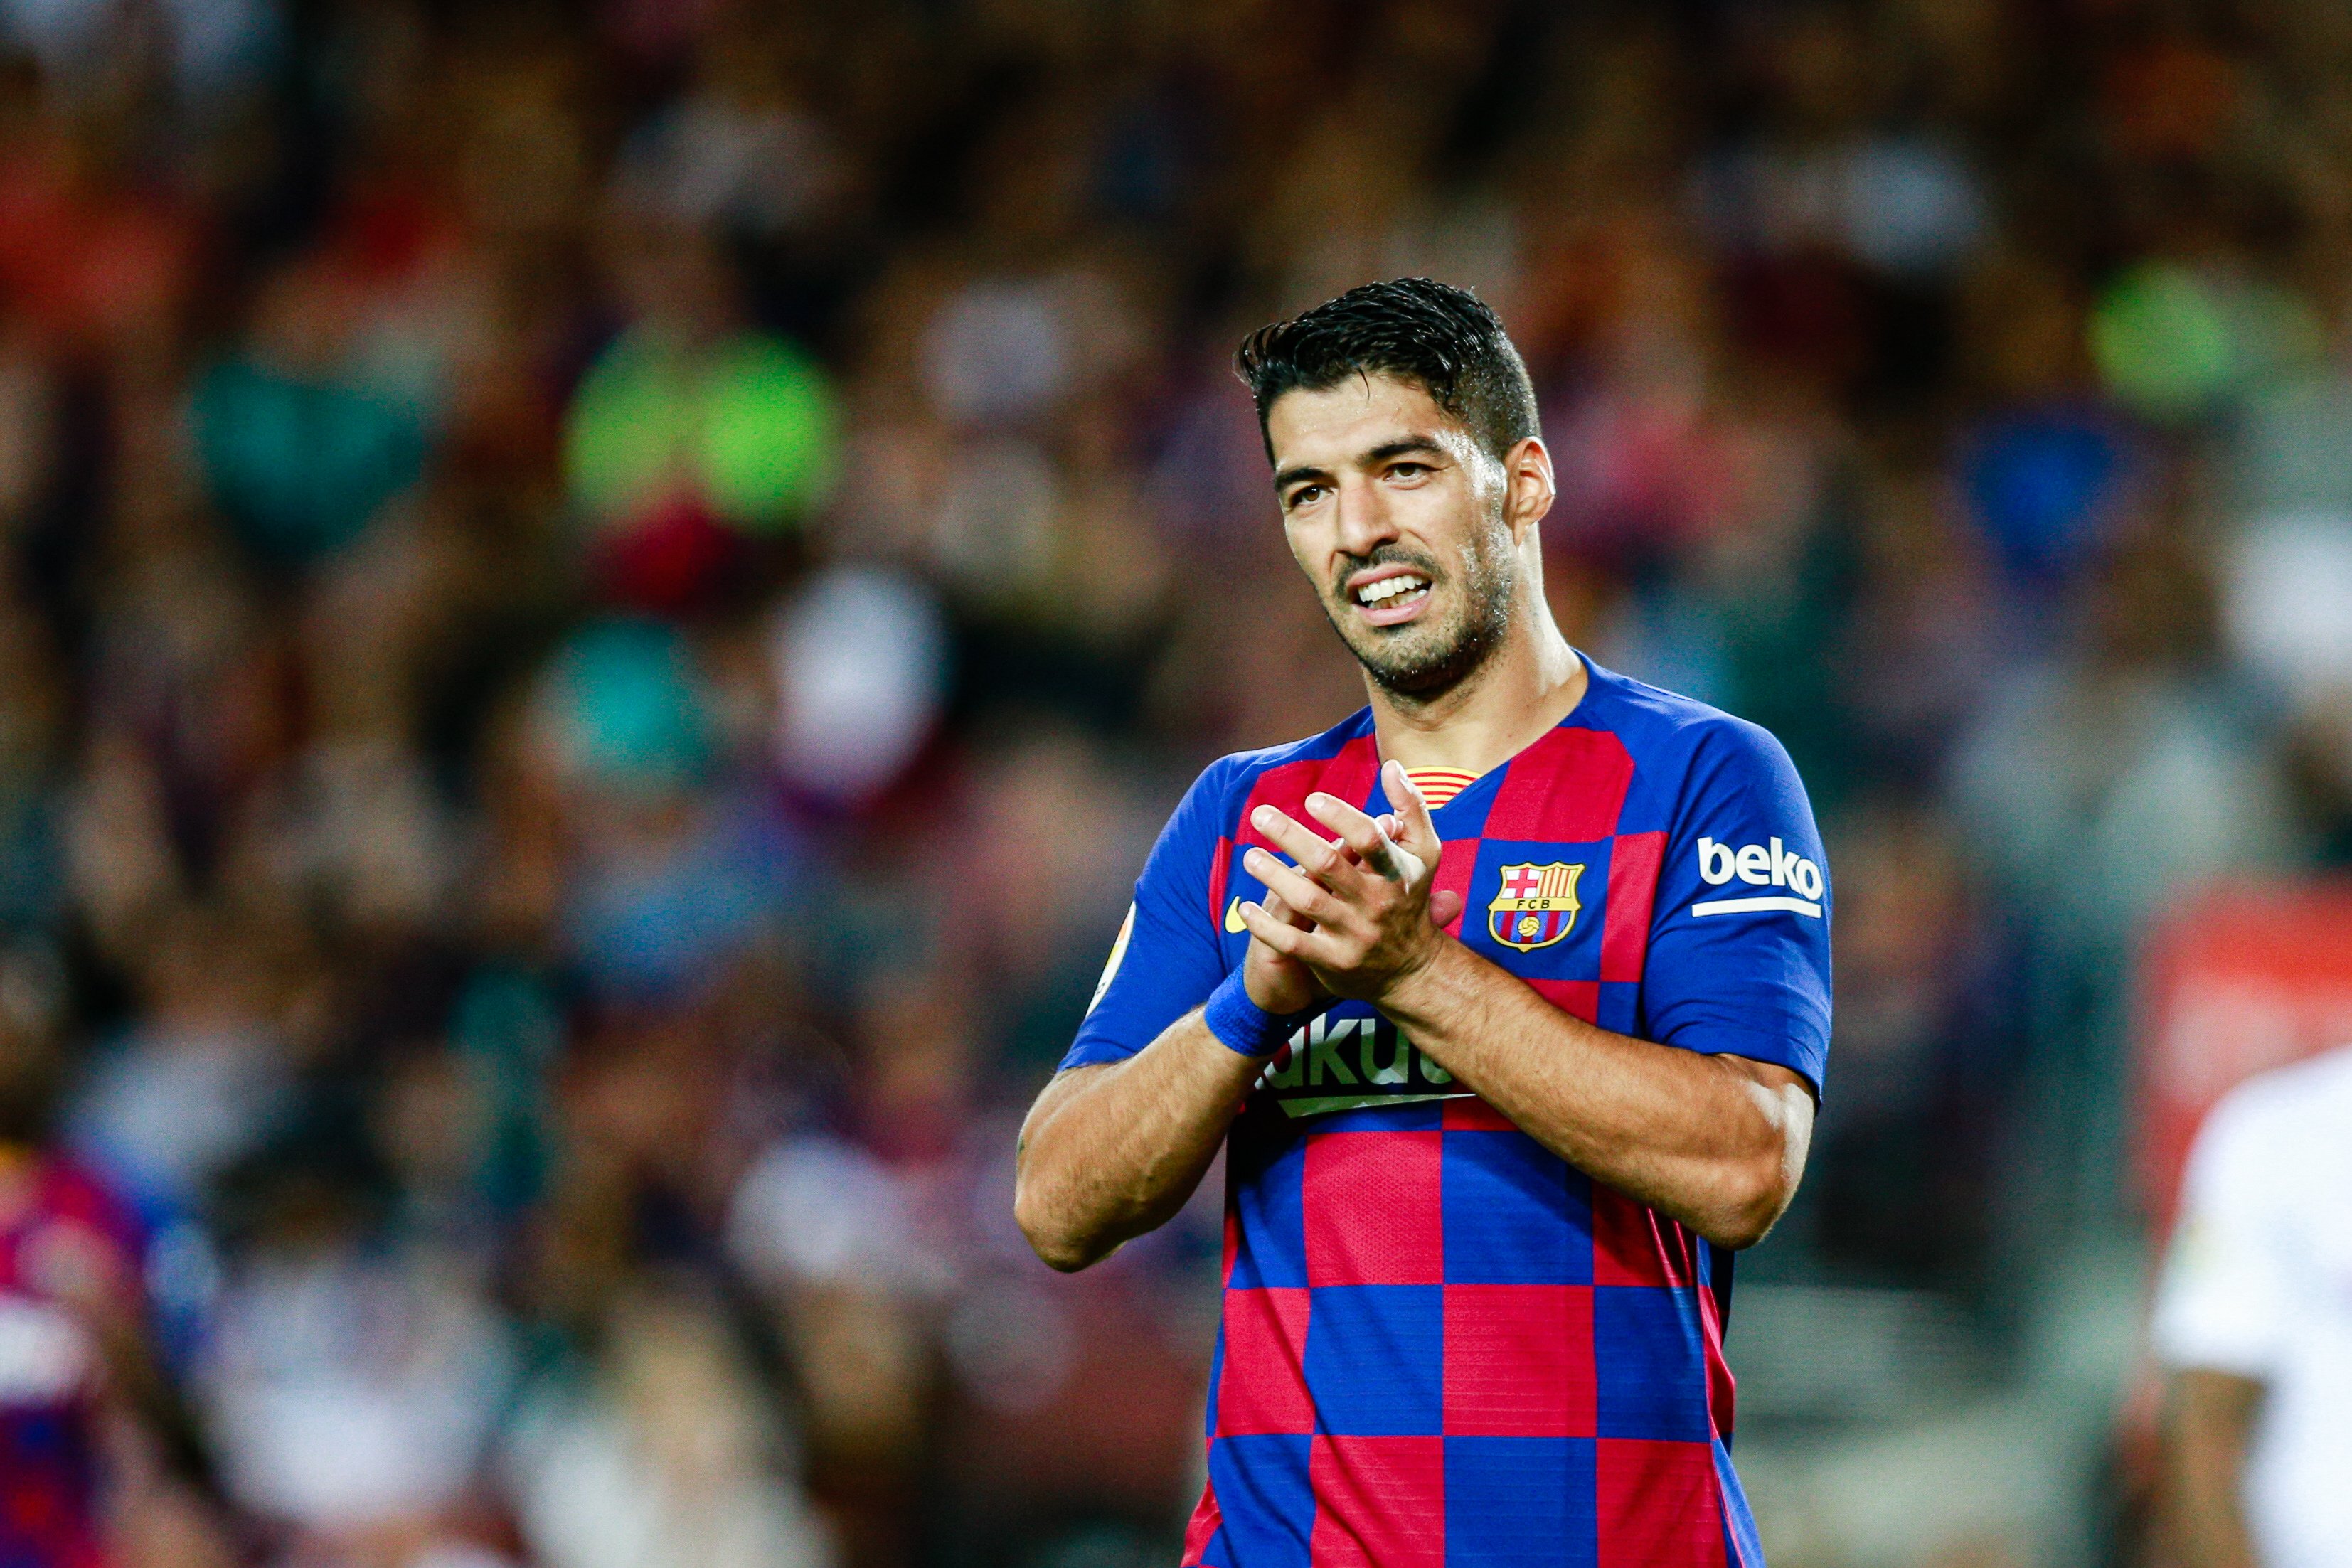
[(1528, 487)]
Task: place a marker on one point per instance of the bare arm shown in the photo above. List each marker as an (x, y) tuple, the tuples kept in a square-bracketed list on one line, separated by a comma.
[(141, 1389), (1112, 1151), (1716, 1142), (2209, 1415)]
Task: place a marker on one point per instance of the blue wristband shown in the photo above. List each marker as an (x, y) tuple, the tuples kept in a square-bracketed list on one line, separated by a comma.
[(1244, 1027)]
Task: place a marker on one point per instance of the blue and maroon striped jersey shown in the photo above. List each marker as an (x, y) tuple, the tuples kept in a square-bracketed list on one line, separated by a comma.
[(1440, 1344)]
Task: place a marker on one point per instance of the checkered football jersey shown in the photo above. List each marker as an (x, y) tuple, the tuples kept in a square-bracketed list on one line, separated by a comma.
[(1441, 1344), (58, 1222)]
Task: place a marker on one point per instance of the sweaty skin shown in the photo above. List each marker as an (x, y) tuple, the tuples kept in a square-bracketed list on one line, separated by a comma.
[(1376, 482)]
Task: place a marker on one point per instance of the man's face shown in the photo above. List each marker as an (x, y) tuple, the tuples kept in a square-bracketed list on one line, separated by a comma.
[(1396, 515)]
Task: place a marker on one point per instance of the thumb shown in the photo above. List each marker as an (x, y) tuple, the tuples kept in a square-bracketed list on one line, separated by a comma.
[(1417, 831)]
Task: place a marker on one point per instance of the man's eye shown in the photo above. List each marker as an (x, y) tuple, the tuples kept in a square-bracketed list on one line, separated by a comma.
[(1303, 494), (1407, 470)]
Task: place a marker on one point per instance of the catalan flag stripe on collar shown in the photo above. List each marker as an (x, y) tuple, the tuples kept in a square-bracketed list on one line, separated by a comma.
[(1440, 785)]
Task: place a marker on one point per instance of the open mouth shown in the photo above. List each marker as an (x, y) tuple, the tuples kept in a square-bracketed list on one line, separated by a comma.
[(1391, 596)]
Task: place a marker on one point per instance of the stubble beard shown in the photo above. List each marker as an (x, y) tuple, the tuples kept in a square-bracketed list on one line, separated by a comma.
[(1423, 660)]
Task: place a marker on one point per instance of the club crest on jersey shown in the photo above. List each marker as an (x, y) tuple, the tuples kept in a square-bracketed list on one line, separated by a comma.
[(1536, 905)]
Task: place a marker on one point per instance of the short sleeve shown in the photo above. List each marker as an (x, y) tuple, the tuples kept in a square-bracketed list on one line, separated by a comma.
[(1166, 959), (1738, 959), (2222, 1301)]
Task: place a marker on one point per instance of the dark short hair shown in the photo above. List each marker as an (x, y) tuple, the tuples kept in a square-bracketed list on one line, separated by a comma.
[(1414, 329)]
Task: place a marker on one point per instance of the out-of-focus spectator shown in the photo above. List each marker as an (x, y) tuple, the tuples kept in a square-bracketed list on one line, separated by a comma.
[(2117, 771), (860, 664), (195, 1086), (657, 1452), (2288, 579), (353, 1392), (1908, 1143), (97, 1451)]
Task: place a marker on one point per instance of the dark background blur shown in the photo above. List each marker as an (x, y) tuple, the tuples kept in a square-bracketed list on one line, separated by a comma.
[(601, 602)]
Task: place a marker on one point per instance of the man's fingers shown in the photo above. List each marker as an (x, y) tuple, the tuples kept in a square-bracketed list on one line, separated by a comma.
[(1284, 913), (1445, 904), (1362, 835), (1417, 830), (1290, 941), (1319, 857), (1278, 935), (1294, 888), (1358, 831)]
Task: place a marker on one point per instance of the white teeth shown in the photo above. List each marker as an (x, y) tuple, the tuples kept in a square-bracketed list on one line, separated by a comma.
[(1390, 588)]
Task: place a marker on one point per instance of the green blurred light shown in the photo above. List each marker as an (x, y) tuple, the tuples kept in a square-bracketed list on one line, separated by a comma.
[(2163, 342), (750, 426), (2173, 343)]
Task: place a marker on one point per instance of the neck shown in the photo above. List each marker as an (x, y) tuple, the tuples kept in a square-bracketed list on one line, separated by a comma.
[(1533, 680)]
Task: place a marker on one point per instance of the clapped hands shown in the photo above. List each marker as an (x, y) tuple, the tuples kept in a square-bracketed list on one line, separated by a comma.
[(1358, 912)]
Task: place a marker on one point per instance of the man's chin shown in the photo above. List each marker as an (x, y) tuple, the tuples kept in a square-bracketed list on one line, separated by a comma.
[(1426, 671)]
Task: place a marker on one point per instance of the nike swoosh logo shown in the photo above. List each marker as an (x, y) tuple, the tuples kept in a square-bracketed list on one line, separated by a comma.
[(1233, 917)]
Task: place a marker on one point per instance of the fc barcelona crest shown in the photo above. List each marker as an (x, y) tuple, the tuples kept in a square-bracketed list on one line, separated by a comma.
[(1536, 905)]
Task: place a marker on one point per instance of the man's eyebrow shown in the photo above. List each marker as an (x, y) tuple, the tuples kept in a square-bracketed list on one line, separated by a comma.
[(1291, 475), (1404, 446)]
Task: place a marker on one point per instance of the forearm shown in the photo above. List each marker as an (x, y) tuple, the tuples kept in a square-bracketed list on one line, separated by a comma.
[(139, 1390), (1717, 1143), (1110, 1152), (2209, 1418)]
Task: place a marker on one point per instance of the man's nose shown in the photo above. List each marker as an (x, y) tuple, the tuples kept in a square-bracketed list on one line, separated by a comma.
[(1363, 517)]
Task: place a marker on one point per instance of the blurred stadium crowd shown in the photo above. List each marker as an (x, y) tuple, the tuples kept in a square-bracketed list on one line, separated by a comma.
[(601, 603)]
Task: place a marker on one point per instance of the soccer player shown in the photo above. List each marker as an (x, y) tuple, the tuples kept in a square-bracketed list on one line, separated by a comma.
[(1508, 996), (2253, 1323)]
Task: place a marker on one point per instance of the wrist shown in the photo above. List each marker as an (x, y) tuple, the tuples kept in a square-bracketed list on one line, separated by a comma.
[(1411, 987), (1236, 1021)]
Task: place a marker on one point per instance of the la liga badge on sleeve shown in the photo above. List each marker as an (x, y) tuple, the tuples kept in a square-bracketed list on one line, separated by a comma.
[(1536, 906)]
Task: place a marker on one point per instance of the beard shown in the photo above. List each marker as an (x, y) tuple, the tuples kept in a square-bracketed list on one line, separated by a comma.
[(1467, 616)]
